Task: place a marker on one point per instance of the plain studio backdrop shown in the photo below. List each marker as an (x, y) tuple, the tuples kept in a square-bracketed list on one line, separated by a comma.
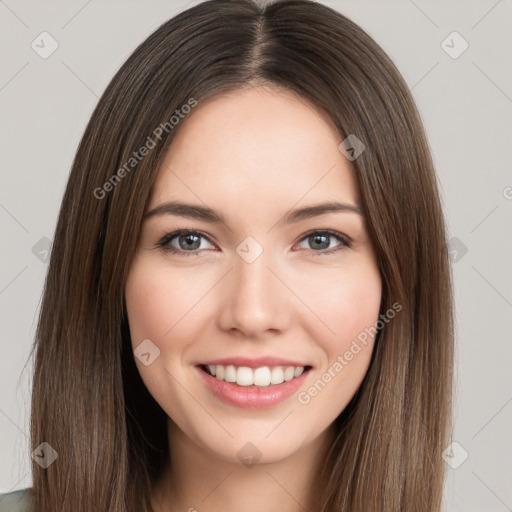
[(57, 59)]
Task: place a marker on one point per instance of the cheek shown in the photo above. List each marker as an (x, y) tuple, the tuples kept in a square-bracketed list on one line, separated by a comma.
[(144, 300), (350, 307), (359, 304), (343, 304), (155, 303)]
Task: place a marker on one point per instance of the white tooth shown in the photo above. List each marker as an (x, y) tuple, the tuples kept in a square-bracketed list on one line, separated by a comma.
[(219, 372), (244, 376), (261, 376), (230, 374), (289, 373), (276, 375)]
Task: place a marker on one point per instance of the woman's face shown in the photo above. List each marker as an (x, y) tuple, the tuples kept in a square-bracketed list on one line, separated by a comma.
[(257, 285)]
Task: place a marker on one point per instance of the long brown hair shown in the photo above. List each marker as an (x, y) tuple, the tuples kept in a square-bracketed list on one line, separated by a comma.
[(88, 400)]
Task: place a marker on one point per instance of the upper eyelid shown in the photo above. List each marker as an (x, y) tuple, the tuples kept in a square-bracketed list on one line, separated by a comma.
[(174, 234)]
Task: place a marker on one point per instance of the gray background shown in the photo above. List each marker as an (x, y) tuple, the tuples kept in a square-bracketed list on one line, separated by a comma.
[(466, 105)]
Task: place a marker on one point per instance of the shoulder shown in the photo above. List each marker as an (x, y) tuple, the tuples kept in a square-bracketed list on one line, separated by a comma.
[(16, 501)]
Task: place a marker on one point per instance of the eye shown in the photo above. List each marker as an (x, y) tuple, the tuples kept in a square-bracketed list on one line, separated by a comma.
[(188, 241), (320, 242)]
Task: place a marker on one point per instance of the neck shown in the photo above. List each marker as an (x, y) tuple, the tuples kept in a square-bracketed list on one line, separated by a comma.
[(199, 481)]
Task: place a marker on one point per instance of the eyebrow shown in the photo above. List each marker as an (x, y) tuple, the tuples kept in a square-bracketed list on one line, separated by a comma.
[(207, 214)]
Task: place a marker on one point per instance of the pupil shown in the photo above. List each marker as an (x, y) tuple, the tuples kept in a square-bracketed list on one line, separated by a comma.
[(188, 237), (316, 237)]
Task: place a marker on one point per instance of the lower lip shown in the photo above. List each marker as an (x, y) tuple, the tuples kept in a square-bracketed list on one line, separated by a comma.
[(249, 397)]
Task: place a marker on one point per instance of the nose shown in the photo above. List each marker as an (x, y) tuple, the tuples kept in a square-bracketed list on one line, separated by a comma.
[(255, 303)]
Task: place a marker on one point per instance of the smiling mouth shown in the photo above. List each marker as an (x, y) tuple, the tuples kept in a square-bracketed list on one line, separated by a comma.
[(264, 376)]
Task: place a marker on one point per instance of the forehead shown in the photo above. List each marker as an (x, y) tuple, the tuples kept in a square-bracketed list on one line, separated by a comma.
[(252, 148)]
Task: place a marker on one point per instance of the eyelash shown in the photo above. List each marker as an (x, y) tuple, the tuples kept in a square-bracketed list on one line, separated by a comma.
[(163, 244)]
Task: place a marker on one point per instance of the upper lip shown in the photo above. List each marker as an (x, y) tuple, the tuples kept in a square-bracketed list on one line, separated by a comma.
[(256, 362)]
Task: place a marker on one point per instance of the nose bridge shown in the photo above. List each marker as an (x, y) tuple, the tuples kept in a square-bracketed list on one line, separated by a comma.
[(255, 300)]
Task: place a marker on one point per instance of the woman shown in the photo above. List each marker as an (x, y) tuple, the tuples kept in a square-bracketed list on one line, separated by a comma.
[(298, 354)]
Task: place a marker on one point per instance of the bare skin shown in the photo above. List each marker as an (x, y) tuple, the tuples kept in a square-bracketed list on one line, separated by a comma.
[(252, 156)]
